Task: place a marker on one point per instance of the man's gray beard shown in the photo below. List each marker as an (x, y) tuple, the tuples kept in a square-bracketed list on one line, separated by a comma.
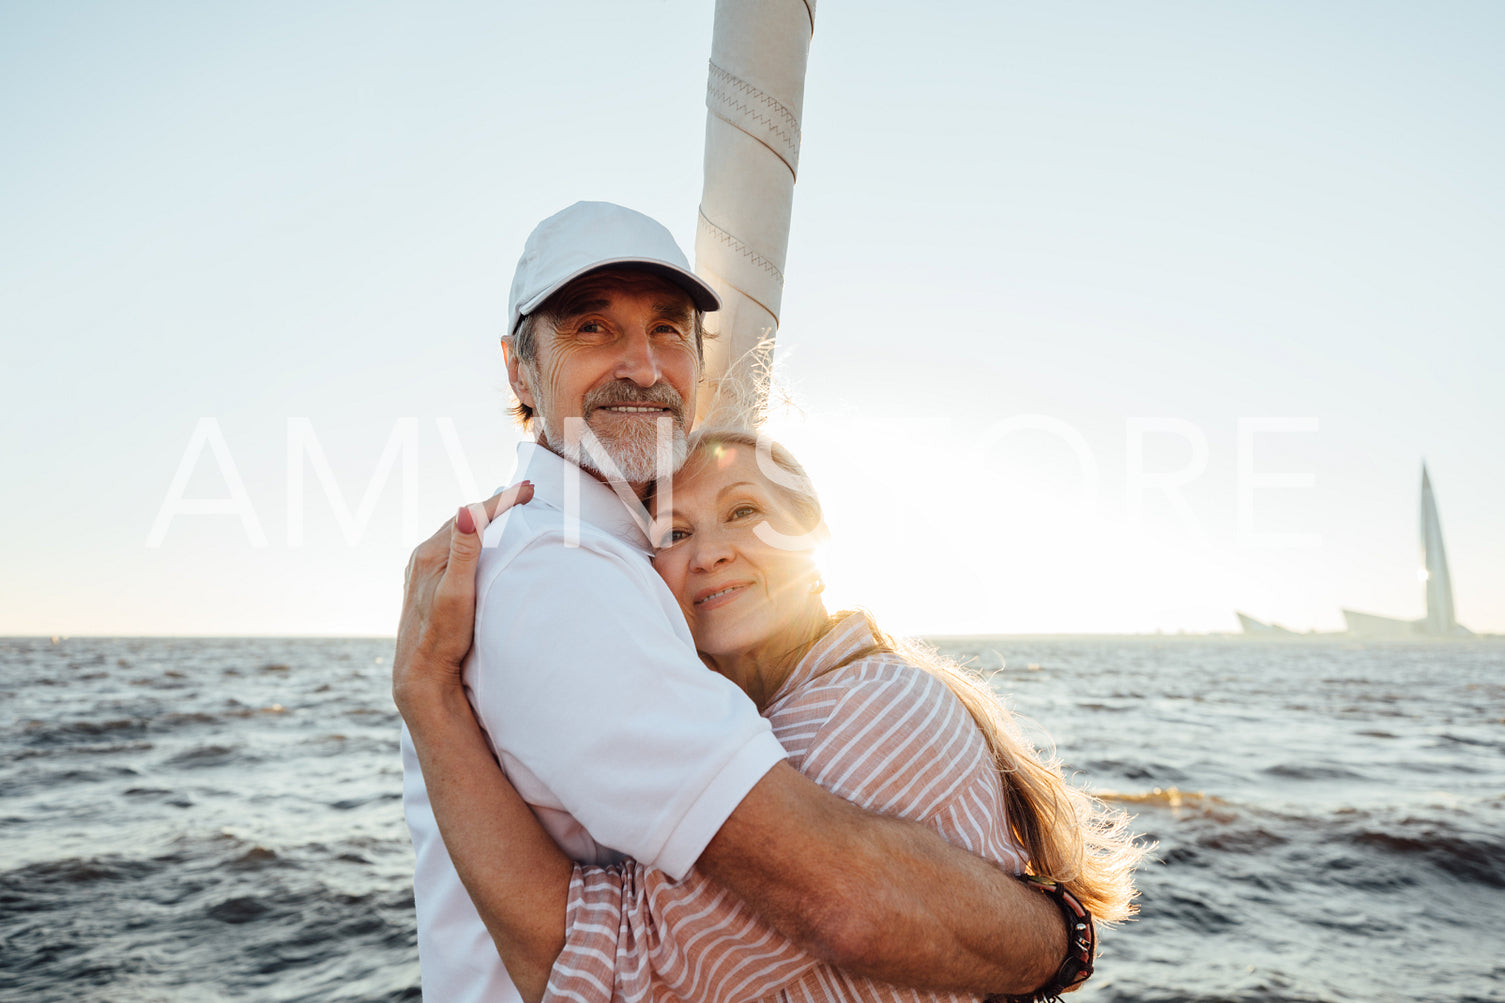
[(632, 457)]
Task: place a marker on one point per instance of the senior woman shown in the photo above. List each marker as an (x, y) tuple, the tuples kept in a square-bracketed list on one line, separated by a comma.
[(884, 724)]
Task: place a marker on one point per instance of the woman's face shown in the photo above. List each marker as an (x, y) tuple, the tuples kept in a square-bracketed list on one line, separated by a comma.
[(745, 592)]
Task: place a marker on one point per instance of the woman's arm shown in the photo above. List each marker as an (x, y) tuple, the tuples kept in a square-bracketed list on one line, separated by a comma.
[(514, 872), (519, 894)]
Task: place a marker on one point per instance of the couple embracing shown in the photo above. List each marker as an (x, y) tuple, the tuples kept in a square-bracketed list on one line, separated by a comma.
[(643, 760)]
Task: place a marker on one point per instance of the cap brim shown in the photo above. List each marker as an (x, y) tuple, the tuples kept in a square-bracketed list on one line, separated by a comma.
[(700, 293)]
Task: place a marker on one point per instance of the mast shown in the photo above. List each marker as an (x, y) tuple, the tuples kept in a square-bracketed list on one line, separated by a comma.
[(1440, 619), (754, 101)]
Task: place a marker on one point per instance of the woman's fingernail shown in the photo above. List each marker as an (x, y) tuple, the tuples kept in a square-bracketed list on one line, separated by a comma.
[(465, 521)]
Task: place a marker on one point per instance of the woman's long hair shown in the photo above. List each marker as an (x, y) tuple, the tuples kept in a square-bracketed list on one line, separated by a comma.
[(1069, 835)]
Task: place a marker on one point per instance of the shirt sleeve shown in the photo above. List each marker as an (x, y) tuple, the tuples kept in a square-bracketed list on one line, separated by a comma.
[(632, 933), (899, 743), (579, 675)]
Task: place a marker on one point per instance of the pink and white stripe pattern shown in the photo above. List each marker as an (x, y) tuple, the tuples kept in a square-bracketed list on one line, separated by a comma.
[(879, 732)]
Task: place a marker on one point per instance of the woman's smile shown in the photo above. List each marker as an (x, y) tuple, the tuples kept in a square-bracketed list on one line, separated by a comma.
[(719, 596)]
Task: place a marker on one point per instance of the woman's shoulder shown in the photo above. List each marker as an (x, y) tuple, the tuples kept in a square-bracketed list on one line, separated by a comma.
[(886, 734), (884, 697), (883, 674), (853, 654)]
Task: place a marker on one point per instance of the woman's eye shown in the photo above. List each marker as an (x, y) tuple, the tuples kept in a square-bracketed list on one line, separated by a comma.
[(744, 511), (676, 535)]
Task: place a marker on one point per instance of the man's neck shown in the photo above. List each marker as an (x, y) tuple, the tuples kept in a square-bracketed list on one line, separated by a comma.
[(636, 488)]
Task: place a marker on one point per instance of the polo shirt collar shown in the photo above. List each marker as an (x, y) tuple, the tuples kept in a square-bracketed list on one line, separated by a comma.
[(561, 485)]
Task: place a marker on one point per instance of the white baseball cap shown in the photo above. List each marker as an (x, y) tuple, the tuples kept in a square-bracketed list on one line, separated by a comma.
[(592, 235)]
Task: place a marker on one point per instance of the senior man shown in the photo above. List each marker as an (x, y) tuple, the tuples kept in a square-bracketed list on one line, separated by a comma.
[(585, 680)]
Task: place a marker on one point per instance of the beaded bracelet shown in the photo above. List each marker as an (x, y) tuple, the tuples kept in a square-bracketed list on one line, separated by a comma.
[(1081, 945)]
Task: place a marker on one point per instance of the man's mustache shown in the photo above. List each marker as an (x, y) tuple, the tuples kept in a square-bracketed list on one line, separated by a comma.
[(628, 392)]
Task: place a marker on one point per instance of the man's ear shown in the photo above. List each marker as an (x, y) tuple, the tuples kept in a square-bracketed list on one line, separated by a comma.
[(515, 377)]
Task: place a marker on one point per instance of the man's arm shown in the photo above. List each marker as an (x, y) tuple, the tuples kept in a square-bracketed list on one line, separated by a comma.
[(881, 896), (694, 939), (877, 926)]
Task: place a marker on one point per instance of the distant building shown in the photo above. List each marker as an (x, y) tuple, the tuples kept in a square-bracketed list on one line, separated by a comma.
[(1253, 626), (1440, 620)]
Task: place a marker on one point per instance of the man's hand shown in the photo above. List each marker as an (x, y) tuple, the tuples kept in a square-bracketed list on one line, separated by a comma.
[(439, 598)]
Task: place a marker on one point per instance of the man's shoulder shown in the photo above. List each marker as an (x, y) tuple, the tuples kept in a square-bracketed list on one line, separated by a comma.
[(542, 581), (540, 539)]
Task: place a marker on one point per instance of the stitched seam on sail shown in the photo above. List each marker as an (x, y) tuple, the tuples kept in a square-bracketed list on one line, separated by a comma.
[(791, 121), (740, 127), (724, 281), (737, 101), (753, 257)]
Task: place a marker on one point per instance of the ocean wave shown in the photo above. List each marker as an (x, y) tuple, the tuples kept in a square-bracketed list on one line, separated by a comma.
[(159, 795), (1312, 771), (203, 756), (235, 913), (1462, 856), (1170, 797), (42, 877), (76, 734), (1135, 770), (83, 749), (1448, 738), (37, 732), (1259, 994)]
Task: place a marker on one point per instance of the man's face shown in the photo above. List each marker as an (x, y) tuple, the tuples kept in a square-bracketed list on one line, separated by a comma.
[(621, 355)]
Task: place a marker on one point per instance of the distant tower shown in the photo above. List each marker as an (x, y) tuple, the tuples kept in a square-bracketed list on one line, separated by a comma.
[(1440, 618)]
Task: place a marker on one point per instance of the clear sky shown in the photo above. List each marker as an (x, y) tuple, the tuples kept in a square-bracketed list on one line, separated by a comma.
[(1045, 260)]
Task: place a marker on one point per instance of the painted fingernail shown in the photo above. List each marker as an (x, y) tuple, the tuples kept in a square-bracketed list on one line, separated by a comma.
[(465, 521)]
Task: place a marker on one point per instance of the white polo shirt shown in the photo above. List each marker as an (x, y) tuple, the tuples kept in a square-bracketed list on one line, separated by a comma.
[(585, 678)]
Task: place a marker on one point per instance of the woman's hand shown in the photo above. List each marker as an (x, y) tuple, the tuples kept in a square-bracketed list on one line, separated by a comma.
[(439, 600)]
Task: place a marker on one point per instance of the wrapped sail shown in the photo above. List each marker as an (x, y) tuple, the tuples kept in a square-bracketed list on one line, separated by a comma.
[(754, 99)]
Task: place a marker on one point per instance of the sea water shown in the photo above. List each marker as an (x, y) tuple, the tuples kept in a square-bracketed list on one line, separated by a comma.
[(220, 819)]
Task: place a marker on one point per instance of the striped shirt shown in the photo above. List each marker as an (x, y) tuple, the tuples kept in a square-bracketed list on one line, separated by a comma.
[(879, 732)]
